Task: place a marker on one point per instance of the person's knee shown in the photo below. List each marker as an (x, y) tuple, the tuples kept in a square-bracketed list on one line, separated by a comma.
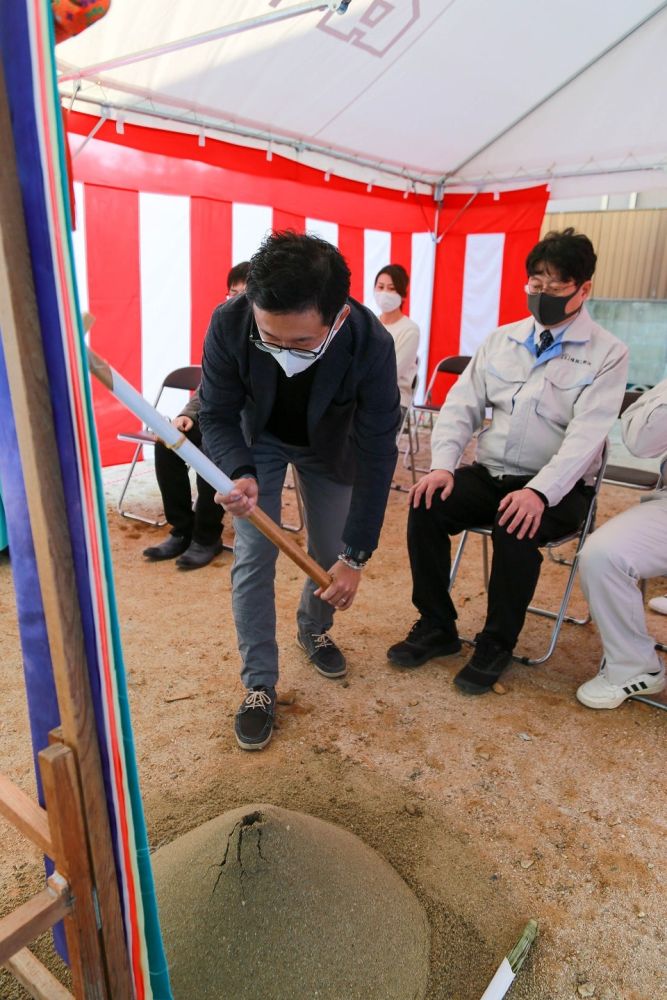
[(597, 557), (425, 520), (505, 539)]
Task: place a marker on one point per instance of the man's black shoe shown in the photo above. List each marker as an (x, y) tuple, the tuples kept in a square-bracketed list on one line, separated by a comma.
[(423, 642), (323, 653), (253, 724), (197, 555), (172, 546), (484, 666)]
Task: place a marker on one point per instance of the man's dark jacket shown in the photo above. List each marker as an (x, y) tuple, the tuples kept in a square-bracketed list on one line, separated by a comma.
[(353, 411)]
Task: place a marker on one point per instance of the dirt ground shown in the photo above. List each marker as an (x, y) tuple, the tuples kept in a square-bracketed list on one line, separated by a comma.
[(494, 809)]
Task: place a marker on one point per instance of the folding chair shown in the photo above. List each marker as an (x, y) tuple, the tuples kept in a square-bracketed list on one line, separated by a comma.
[(453, 365), (187, 378), (406, 427), (579, 536)]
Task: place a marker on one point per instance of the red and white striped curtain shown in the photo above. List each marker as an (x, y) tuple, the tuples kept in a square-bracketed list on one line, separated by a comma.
[(160, 220)]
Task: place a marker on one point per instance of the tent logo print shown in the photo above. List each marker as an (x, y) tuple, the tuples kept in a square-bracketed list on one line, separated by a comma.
[(377, 30)]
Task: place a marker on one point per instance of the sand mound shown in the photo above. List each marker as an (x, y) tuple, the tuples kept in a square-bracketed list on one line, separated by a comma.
[(269, 904)]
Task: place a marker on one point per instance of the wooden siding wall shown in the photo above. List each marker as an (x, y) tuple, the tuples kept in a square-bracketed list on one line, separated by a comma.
[(631, 248)]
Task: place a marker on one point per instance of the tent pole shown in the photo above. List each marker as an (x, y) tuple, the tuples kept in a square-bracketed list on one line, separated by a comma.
[(206, 36), (31, 404), (299, 145)]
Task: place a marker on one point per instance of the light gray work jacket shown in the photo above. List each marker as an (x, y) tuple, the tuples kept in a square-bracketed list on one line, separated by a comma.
[(645, 427), (549, 419)]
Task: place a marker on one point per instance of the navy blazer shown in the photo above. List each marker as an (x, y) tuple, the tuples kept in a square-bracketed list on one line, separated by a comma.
[(353, 411)]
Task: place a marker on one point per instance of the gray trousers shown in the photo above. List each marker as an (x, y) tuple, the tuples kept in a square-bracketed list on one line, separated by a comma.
[(628, 548), (326, 505)]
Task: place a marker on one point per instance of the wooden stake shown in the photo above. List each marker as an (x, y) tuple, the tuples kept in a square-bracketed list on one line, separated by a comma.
[(28, 382), (71, 855)]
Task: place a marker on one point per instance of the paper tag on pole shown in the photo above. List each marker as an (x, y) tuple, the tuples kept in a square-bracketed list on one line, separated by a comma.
[(500, 983)]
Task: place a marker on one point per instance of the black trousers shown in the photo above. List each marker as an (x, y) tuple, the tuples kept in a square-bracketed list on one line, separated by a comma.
[(515, 565), (204, 524)]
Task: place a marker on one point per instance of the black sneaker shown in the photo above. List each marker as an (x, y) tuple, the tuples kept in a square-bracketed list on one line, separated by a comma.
[(423, 642), (253, 724), (196, 555), (484, 666), (172, 546), (323, 653)]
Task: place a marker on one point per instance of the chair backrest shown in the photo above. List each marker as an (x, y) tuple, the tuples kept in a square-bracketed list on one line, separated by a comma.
[(629, 397), (454, 364), (183, 378)]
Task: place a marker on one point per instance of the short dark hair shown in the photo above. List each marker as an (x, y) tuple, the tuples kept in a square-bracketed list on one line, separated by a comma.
[(570, 253), (399, 276), (293, 272), (238, 274)]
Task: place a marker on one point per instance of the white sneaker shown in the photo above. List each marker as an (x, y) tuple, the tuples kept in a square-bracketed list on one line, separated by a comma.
[(599, 692), (659, 604)]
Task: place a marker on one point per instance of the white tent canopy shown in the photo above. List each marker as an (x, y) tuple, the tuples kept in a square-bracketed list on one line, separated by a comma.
[(469, 93)]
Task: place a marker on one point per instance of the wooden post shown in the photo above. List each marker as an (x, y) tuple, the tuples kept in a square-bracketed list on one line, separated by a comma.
[(72, 859), (28, 382)]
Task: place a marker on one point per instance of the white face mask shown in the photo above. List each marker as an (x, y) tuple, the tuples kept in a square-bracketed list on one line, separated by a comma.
[(292, 364), (387, 301)]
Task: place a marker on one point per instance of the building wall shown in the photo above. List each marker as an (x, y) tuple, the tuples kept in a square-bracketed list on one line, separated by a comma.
[(631, 248)]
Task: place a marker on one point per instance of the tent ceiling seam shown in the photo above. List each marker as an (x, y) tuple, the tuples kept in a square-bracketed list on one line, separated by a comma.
[(385, 69), (566, 83)]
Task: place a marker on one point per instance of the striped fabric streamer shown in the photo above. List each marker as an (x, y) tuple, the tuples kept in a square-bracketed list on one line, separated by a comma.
[(91, 549)]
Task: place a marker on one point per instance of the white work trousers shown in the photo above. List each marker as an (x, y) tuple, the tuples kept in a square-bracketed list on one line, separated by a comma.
[(628, 548)]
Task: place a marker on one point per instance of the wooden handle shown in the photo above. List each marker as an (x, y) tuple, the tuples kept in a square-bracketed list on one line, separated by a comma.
[(103, 371), (287, 545)]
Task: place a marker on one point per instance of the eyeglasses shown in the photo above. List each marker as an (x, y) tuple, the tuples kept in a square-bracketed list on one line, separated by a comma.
[(536, 285), (297, 352)]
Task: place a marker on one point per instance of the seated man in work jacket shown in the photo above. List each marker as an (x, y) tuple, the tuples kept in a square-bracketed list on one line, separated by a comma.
[(554, 383), (295, 372), (627, 549)]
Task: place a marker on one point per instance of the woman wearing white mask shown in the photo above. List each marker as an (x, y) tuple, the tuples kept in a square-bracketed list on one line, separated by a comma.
[(391, 289)]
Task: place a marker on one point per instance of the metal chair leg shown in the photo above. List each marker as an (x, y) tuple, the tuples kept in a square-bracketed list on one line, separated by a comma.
[(558, 617), (119, 506), (299, 504)]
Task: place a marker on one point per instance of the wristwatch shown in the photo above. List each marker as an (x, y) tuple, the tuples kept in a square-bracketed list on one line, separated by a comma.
[(354, 558)]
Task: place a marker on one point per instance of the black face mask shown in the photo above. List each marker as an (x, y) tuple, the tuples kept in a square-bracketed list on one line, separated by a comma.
[(549, 310)]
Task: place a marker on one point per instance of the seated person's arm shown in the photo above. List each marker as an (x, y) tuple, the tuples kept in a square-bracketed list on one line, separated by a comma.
[(462, 414), (407, 345), (595, 411), (644, 423)]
